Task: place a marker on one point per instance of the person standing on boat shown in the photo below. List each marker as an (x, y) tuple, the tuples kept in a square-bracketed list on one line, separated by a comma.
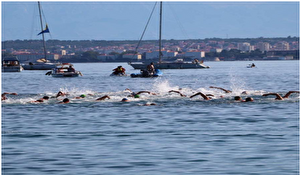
[(151, 68), (71, 69), (119, 70)]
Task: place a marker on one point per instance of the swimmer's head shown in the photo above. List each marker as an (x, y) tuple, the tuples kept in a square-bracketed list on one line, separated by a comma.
[(244, 92), (83, 96), (66, 100), (249, 99), (124, 100), (136, 96), (237, 98), (45, 97)]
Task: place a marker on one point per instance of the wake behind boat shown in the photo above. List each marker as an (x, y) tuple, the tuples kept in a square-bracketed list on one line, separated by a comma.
[(64, 70)]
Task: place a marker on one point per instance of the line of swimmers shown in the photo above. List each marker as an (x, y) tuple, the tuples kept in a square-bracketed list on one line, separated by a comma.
[(137, 95)]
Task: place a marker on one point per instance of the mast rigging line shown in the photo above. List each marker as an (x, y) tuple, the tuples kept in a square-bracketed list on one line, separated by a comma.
[(145, 28)]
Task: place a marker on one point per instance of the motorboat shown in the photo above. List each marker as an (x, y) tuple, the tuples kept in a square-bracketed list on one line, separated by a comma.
[(64, 70), (251, 65), (119, 71), (118, 74), (145, 74), (170, 65), (11, 64)]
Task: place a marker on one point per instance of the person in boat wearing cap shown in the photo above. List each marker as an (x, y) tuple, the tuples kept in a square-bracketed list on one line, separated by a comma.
[(278, 97), (71, 69), (151, 68), (3, 96), (119, 70)]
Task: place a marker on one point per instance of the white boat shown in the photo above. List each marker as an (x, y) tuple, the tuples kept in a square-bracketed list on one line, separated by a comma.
[(11, 64), (64, 70), (38, 65), (168, 65), (43, 63), (251, 65)]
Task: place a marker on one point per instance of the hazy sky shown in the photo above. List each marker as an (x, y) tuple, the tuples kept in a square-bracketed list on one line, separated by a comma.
[(124, 20)]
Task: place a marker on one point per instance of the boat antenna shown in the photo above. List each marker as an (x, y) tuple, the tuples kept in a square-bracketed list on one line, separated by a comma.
[(160, 31), (44, 43)]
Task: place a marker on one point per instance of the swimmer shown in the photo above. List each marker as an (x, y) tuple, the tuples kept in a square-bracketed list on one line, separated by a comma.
[(278, 97), (225, 90), (66, 100), (81, 96), (103, 98), (60, 93), (3, 96), (41, 100), (248, 99), (125, 100), (136, 95), (203, 95), (149, 104), (182, 95), (237, 98)]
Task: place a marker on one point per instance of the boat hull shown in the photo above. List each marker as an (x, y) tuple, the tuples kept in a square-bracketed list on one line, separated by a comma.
[(38, 66), (170, 66), (12, 68), (62, 75), (145, 74)]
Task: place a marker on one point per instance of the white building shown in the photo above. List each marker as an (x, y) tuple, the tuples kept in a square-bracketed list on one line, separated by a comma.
[(263, 46), (132, 56), (195, 54), (282, 46), (245, 47)]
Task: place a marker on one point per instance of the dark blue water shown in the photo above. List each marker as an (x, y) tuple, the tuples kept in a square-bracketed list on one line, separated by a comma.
[(179, 135)]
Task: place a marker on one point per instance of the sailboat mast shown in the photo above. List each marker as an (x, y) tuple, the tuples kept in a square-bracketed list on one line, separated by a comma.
[(160, 31), (44, 44)]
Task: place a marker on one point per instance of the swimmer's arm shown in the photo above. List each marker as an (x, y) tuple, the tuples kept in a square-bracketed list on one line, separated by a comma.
[(289, 93), (278, 97), (225, 90), (200, 93), (140, 92), (182, 95), (103, 98)]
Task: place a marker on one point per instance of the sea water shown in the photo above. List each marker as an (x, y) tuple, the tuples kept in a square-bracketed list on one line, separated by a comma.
[(178, 135)]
